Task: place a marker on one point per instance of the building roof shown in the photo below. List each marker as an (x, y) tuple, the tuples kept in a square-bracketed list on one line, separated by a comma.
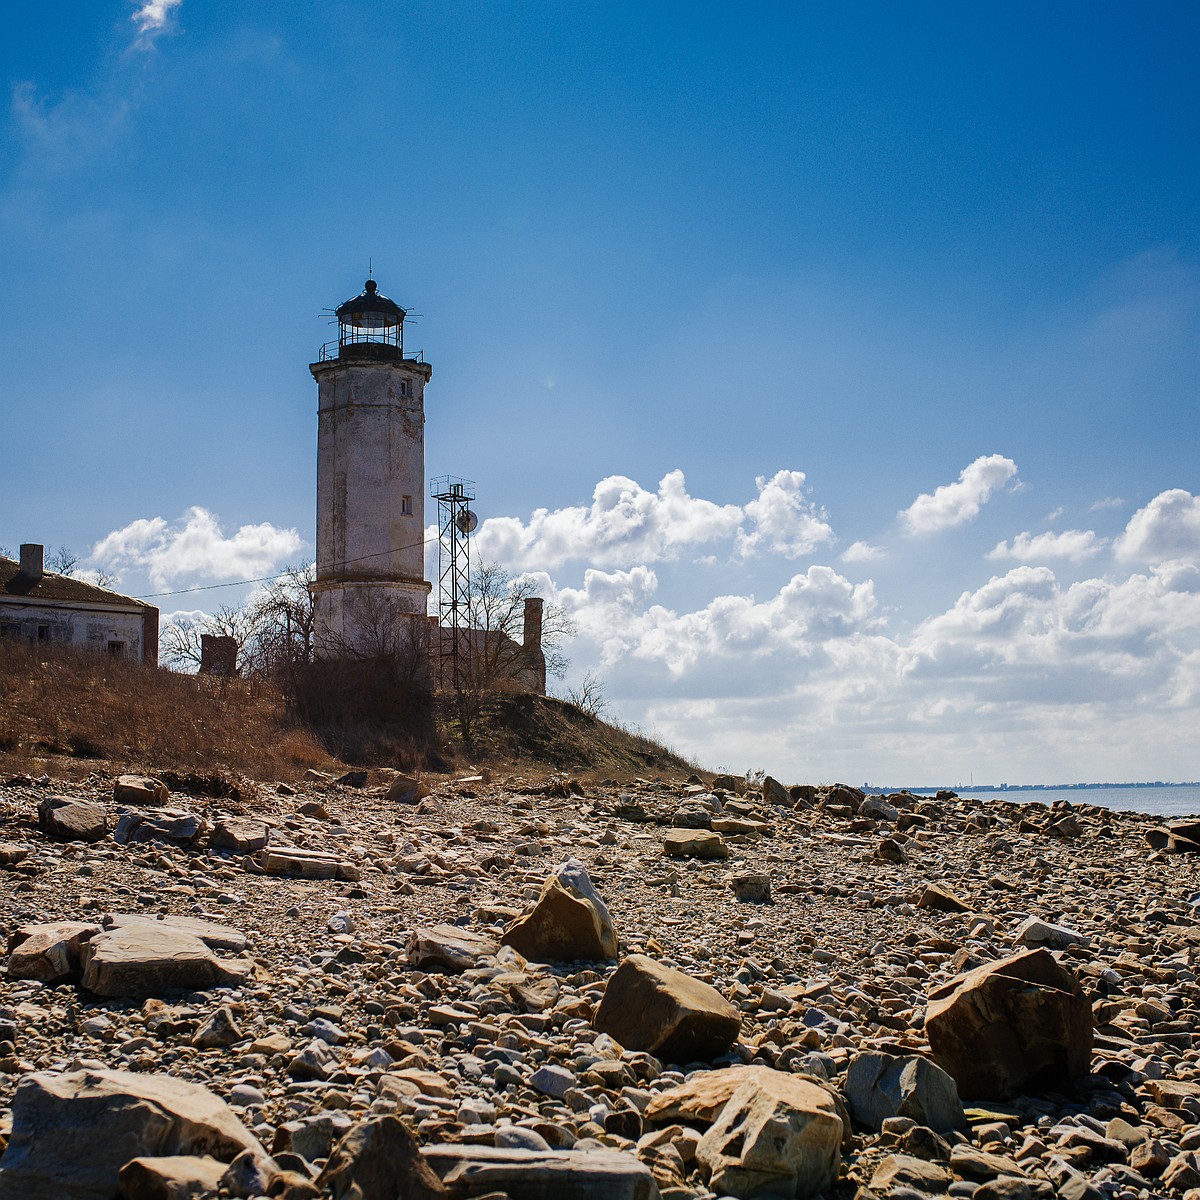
[(61, 588), (370, 301)]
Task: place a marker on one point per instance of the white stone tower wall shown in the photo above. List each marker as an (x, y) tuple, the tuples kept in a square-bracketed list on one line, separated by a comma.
[(370, 457)]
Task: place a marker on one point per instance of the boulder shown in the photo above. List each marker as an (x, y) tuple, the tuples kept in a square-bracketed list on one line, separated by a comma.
[(569, 921), (700, 1098), (773, 792), (238, 835), (448, 948), (694, 843), (649, 1006), (878, 809), (174, 1178), (1033, 932), (1172, 842), (521, 1174), (910, 1176), (298, 863), (218, 1031), (379, 1160), (940, 900), (144, 960), (1021, 1024), (169, 825), (139, 789), (72, 1133), (751, 886), (879, 1086), (214, 935), (890, 850), (49, 953), (778, 1135), (68, 820), (404, 789)]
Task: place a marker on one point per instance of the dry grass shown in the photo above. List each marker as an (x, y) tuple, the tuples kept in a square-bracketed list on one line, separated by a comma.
[(86, 706), (71, 712)]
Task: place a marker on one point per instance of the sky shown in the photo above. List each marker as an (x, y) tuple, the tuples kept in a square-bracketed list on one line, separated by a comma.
[(833, 365)]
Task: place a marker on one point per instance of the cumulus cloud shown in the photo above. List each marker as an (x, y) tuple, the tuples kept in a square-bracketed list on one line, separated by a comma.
[(1166, 528), (1073, 545), (626, 524), (193, 548), (861, 552), (783, 519), (956, 503)]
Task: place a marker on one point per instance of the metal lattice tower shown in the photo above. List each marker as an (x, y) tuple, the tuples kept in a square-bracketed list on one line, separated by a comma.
[(456, 522)]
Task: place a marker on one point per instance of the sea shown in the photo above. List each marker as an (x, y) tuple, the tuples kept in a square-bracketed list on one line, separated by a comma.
[(1168, 801)]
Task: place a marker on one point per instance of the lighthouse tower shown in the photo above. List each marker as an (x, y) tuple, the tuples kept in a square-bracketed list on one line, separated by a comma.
[(371, 594)]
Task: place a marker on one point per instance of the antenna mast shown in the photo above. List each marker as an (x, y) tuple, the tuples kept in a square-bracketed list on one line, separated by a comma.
[(456, 523)]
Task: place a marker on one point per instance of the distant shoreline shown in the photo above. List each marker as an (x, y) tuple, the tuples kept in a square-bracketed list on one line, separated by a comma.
[(1006, 788)]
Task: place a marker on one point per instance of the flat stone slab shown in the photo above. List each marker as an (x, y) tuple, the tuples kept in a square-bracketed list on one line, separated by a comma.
[(448, 948), (299, 863), (139, 789), (170, 825), (214, 935), (238, 835), (150, 959), (694, 843), (540, 1174)]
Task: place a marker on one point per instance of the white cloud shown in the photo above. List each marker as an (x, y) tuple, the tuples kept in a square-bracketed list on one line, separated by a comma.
[(956, 503), (1074, 545), (626, 525), (861, 552), (1107, 502), (194, 547), (1167, 528), (784, 519), (152, 17)]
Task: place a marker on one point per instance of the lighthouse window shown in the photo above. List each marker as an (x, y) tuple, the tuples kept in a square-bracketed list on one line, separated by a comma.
[(406, 506), (405, 387)]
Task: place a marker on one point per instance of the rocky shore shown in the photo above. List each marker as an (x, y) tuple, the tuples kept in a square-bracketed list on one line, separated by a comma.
[(379, 988)]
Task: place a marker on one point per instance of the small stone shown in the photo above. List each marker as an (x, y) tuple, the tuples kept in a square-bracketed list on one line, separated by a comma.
[(751, 886)]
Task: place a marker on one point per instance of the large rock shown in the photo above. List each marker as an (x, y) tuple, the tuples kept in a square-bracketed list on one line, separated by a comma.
[(238, 835), (214, 935), (67, 820), (694, 843), (379, 1160), (879, 1086), (404, 789), (139, 789), (778, 1135), (649, 1006), (300, 863), (910, 1176), (569, 921), (49, 953), (523, 1174), (700, 1098), (169, 825), (1018, 1025), (448, 948), (73, 1133), (149, 959), (172, 1178)]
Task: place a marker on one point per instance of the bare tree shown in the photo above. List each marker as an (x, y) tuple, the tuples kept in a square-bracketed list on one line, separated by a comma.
[(496, 614), (282, 619), (180, 641), (589, 696)]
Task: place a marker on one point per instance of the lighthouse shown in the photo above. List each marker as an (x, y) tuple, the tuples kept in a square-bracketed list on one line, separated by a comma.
[(371, 595)]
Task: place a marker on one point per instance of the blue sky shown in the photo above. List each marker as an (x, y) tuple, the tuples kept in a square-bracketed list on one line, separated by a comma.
[(892, 248)]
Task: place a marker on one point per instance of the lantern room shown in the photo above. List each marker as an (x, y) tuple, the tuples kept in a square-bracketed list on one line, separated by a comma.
[(370, 326)]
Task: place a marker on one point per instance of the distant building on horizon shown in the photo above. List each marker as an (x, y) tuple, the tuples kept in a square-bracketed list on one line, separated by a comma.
[(44, 608)]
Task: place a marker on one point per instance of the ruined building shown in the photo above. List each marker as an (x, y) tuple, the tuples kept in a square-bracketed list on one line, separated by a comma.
[(371, 595), (39, 606)]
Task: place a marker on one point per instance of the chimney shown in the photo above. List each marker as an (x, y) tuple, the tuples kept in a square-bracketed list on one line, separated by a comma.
[(32, 567), (532, 637)]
